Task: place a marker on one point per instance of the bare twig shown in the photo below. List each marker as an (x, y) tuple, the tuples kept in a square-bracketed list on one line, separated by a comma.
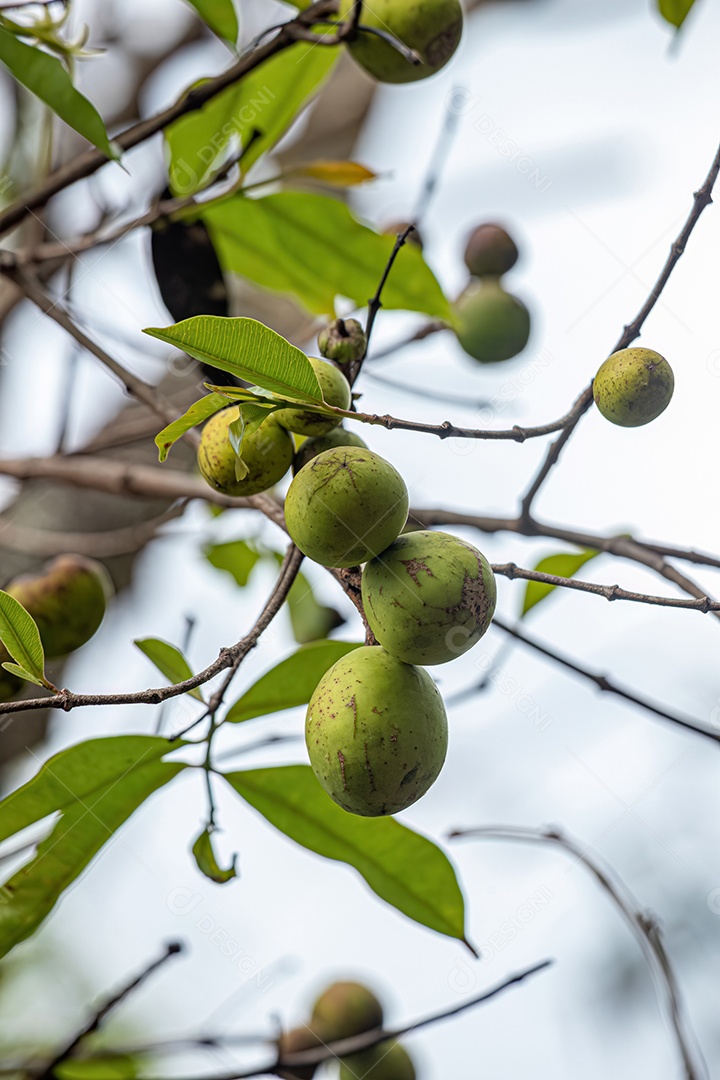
[(701, 199), (639, 922)]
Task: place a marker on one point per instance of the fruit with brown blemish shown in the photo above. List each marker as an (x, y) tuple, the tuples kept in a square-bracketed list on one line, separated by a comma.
[(337, 437), (432, 28), (387, 1061), (266, 455), (429, 597), (376, 732), (345, 1009), (67, 599), (345, 506), (490, 251), (335, 391), (492, 325), (343, 341), (296, 1041), (633, 387)]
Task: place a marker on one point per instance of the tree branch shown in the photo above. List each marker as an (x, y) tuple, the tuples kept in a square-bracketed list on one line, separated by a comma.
[(642, 925)]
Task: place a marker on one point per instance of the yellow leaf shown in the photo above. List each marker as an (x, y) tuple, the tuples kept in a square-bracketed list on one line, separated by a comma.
[(338, 173)]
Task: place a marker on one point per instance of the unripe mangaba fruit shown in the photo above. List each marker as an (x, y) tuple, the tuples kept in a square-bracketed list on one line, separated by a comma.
[(267, 455), (633, 387), (67, 600), (429, 597), (312, 447), (345, 506), (493, 325), (294, 1042), (387, 1061), (431, 27), (343, 341), (335, 391), (490, 251), (376, 732), (345, 1009)]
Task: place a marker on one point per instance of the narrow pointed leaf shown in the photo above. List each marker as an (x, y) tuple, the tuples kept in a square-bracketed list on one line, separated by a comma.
[(169, 660), (21, 637), (291, 682), (675, 11), (198, 412), (566, 565), (248, 349), (405, 869), (220, 16), (207, 863), (338, 173), (15, 669), (47, 78)]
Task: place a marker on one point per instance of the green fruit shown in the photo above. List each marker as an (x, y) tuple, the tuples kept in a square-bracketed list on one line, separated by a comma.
[(387, 1061), (67, 600), (335, 391), (633, 387), (490, 251), (493, 325), (266, 454), (312, 447), (429, 597), (346, 1009), (294, 1042), (432, 28), (376, 732), (343, 340), (345, 506)]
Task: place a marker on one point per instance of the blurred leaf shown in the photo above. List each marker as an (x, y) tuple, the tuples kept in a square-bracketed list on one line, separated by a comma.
[(21, 637), (310, 620), (405, 869), (169, 660), (237, 557), (47, 78), (291, 682), (187, 270), (220, 16), (253, 114), (675, 11), (110, 1067), (311, 247), (202, 849), (198, 412), (248, 349), (95, 786), (338, 173), (566, 565)]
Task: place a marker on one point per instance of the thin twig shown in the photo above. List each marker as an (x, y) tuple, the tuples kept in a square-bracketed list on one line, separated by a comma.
[(96, 1020), (629, 908), (702, 198)]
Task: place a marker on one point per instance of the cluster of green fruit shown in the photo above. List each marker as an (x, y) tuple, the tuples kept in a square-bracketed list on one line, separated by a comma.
[(342, 1011), (493, 325), (67, 600)]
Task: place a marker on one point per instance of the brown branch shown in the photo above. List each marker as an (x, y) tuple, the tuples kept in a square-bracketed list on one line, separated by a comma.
[(88, 163), (642, 925), (701, 198), (105, 544), (48, 1072), (602, 682)]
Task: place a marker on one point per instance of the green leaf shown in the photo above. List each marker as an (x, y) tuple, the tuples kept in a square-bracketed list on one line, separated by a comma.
[(291, 682), (109, 1067), (566, 565), (265, 101), (237, 557), (21, 637), (15, 669), (310, 620), (248, 349), (95, 786), (47, 78), (198, 412), (675, 11), (202, 849), (169, 660), (220, 16), (405, 869), (312, 247), (252, 415)]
